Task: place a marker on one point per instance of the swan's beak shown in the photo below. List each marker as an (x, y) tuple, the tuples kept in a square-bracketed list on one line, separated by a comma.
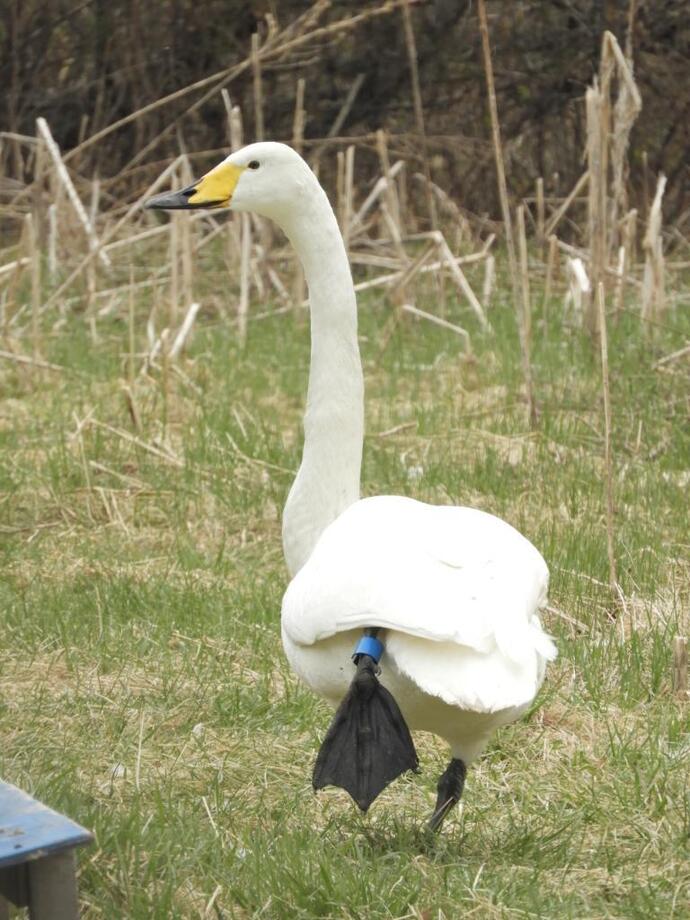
[(214, 190)]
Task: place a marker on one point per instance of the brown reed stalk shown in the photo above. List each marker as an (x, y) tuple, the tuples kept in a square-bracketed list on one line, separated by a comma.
[(556, 218), (174, 254), (551, 264), (186, 241), (626, 109), (626, 258), (608, 455), (91, 279), (498, 150), (245, 253), (389, 190), (679, 677), (38, 204), (32, 362), (16, 270), (130, 327), (526, 319), (460, 279), (418, 108), (258, 89), (90, 308), (540, 213), (653, 285), (34, 255), (348, 193), (184, 331), (299, 118), (340, 187), (236, 128), (165, 381), (443, 323), (597, 157), (52, 236), (620, 283), (377, 191), (489, 281), (227, 104)]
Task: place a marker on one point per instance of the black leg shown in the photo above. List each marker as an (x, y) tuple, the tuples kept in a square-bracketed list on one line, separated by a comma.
[(368, 743), (449, 788)]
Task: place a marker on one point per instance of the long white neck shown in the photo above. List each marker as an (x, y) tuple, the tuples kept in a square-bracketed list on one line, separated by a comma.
[(328, 478)]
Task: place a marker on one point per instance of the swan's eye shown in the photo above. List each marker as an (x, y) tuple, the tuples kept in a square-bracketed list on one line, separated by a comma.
[(254, 164)]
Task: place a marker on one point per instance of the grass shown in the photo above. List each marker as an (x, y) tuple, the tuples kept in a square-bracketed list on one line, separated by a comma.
[(143, 689)]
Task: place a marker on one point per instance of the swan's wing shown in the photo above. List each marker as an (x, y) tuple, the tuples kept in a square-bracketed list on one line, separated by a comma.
[(444, 574)]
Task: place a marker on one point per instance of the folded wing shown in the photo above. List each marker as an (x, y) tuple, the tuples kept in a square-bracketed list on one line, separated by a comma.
[(462, 583)]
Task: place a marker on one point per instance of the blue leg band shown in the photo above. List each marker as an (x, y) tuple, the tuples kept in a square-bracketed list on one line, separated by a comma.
[(370, 646)]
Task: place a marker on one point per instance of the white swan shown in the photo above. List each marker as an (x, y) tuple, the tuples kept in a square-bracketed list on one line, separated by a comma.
[(451, 594)]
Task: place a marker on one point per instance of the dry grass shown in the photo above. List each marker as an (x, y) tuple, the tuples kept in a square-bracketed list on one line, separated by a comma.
[(142, 682)]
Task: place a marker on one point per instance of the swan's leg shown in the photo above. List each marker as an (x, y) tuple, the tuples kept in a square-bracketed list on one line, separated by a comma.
[(368, 743), (449, 788)]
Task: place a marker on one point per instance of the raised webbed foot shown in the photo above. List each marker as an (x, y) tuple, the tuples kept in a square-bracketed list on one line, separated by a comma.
[(368, 743)]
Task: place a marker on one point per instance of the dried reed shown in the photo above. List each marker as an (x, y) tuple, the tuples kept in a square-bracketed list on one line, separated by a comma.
[(608, 458), (653, 286)]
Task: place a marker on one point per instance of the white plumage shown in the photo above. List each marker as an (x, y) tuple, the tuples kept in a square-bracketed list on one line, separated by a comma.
[(458, 591)]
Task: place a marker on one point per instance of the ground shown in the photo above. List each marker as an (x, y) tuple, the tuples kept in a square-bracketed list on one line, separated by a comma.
[(143, 688)]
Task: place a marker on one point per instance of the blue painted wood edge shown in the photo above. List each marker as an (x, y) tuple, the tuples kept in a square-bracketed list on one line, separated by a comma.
[(30, 830)]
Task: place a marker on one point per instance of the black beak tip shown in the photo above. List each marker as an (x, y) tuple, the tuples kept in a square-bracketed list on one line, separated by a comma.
[(170, 201)]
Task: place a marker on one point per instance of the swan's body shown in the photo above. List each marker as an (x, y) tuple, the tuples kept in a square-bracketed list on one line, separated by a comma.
[(457, 591), (454, 591)]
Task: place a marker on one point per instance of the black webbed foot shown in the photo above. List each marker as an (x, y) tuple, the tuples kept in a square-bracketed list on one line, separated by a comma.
[(449, 787), (368, 743)]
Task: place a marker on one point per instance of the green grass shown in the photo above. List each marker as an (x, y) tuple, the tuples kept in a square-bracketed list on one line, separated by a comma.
[(143, 689)]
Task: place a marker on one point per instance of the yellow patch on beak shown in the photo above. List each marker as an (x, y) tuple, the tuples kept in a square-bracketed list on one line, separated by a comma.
[(216, 187)]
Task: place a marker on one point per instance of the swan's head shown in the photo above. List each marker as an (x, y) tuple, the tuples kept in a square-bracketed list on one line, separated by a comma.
[(267, 178)]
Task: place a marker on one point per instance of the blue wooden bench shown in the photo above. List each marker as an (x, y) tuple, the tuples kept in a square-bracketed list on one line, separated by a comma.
[(37, 859)]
